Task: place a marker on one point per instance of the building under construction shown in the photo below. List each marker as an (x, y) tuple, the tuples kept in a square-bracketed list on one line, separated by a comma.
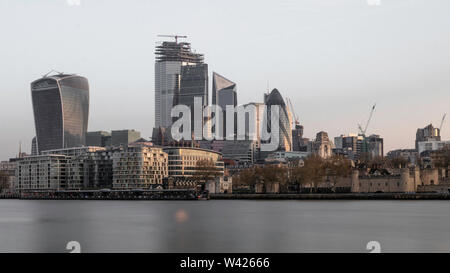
[(177, 52), (180, 75)]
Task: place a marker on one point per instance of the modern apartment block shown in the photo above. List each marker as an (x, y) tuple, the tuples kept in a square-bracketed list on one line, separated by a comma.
[(170, 58), (124, 137), (85, 168), (139, 167), (42, 172), (61, 111)]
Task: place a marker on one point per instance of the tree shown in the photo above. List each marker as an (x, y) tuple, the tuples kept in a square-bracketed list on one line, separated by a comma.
[(313, 171), (337, 167), (205, 170), (272, 174), (397, 162)]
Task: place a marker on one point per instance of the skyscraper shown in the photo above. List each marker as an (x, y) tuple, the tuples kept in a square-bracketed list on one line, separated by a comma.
[(61, 111), (193, 84), (223, 94), (170, 58), (285, 123)]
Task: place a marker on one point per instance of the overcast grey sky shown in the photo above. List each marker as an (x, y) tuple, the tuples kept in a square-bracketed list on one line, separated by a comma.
[(332, 58)]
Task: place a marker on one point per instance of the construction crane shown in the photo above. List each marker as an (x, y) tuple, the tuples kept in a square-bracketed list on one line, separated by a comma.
[(442, 122), (173, 36), (293, 112), (363, 131)]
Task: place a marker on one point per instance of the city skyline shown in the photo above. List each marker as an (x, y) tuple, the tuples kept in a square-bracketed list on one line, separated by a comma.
[(333, 101)]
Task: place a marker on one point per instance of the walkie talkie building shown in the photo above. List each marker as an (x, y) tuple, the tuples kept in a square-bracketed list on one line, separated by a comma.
[(61, 111)]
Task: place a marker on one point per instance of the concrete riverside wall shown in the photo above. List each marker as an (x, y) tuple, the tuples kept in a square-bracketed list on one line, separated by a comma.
[(339, 196)]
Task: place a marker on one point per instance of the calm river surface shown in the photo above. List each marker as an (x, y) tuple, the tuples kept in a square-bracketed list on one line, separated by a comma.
[(224, 226)]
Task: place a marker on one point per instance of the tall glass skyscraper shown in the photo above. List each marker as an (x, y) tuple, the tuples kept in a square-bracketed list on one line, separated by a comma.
[(173, 60), (61, 111), (223, 94), (285, 123)]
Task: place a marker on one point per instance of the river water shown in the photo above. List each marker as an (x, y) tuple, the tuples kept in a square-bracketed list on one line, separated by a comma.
[(224, 226)]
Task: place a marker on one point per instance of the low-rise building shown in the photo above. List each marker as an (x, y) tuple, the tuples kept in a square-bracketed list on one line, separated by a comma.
[(406, 181), (410, 155), (221, 184), (434, 145), (183, 164)]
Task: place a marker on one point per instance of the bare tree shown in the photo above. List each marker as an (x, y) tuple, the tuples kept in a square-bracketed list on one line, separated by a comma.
[(205, 170), (337, 167)]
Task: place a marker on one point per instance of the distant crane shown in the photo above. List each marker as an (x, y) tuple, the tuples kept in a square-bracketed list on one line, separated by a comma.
[(363, 131), (173, 36), (293, 112), (442, 121)]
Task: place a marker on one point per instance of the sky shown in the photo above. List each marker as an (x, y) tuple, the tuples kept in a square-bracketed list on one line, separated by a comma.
[(333, 58)]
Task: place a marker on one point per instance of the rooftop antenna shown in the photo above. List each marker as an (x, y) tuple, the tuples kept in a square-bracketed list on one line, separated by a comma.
[(174, 36)]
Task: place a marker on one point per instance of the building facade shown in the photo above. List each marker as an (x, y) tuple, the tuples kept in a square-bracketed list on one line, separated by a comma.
[(429, 133), (284, 130), (193, 84), (139, 167), (124, 137), (61, 111), (42, 172), (98, 138), (183, 161), (224, 94), (170, 58), (322, 146)]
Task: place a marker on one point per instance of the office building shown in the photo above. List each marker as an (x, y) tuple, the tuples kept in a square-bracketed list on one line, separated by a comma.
[(124, 137), (61, 111), (98, 139), (429, 133), (170, 58), (224, 94), (432, 145), (410, 155), (375, 146), (183, 161), (193, 84), (241, 151), (284, 129)]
